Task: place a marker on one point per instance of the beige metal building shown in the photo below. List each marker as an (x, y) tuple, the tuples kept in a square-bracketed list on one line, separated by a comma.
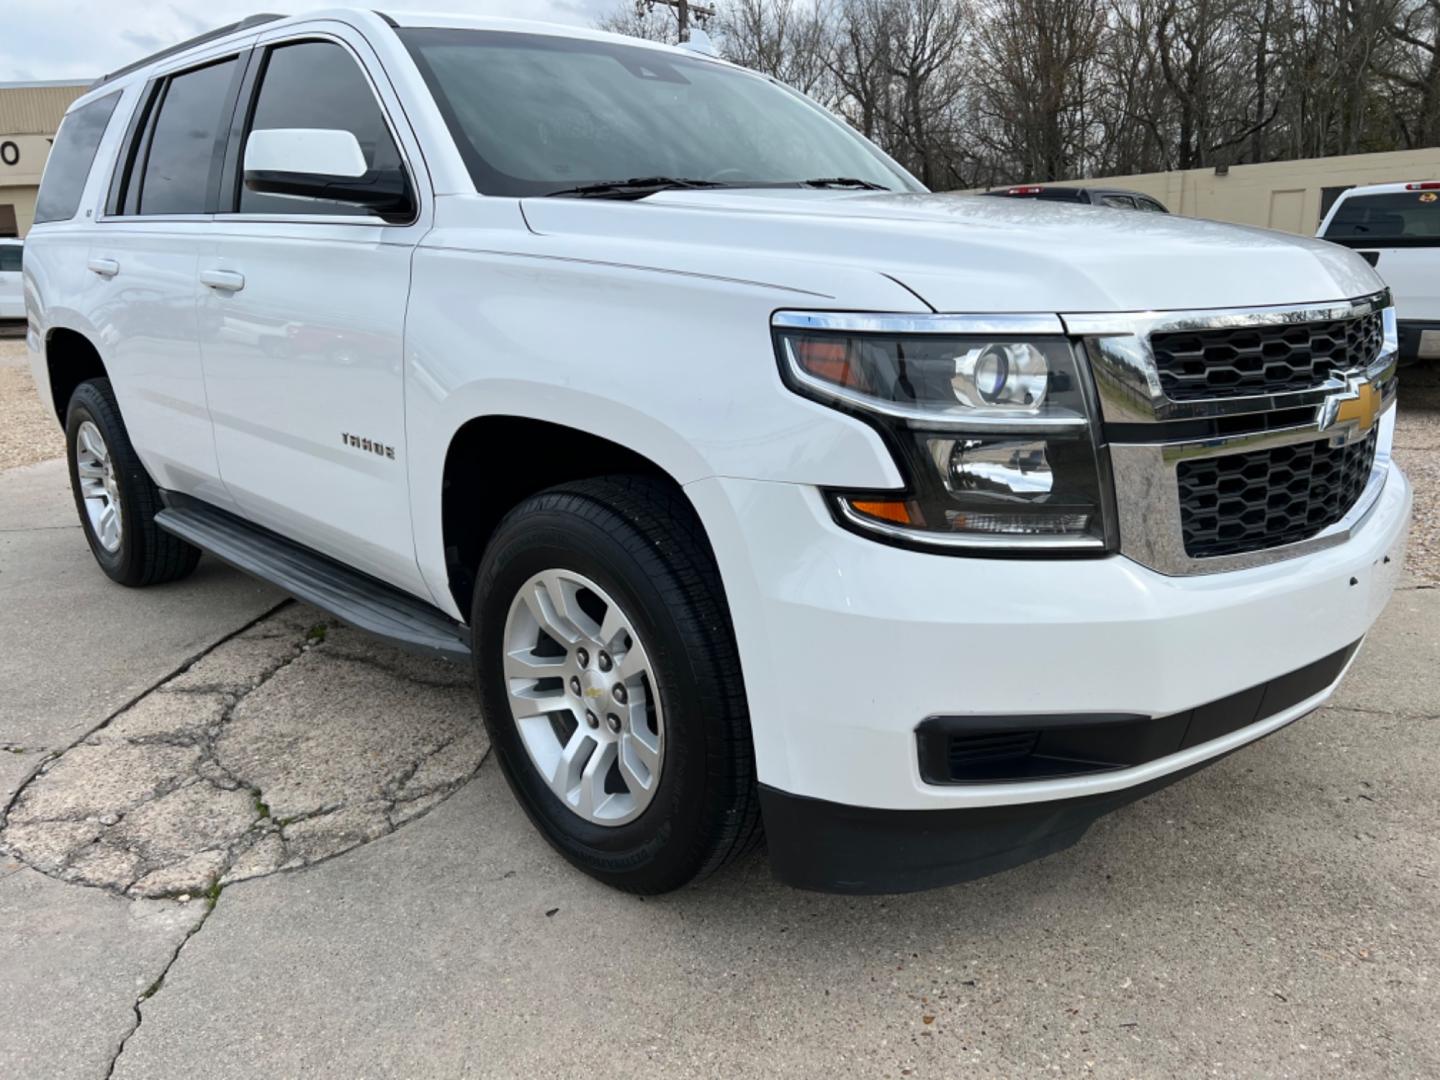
[(30, 114), (1289, 195)]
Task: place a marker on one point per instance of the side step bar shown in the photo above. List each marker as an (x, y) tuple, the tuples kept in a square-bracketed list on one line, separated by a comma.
[(349, 595)]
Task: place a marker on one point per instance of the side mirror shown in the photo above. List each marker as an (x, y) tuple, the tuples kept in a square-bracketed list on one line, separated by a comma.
[(315, 163)]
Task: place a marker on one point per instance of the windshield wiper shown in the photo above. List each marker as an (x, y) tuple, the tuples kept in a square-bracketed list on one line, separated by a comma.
[(636, 188), (843, 182)]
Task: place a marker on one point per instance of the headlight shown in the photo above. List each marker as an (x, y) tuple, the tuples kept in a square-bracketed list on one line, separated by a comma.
[(992, 433)]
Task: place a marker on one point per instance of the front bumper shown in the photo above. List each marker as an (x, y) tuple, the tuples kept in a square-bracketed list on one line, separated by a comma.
[(848, 645)]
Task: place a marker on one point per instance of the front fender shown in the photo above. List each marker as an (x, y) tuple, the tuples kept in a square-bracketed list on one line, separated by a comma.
[(677, 367)]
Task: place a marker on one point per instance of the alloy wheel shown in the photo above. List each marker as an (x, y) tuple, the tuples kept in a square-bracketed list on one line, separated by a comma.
[(98, 486), (583, 697)]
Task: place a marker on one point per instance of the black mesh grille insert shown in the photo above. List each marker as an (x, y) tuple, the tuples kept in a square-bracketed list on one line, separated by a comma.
[(1249, 502), (1263, 359)]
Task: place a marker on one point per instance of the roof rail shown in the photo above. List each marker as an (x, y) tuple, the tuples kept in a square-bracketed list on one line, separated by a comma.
[(219, 32)]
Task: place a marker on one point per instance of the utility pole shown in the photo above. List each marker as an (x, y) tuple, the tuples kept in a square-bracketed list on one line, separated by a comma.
[(684, 9)]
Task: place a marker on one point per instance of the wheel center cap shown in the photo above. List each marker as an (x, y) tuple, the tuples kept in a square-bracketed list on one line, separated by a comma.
[(594, 688)]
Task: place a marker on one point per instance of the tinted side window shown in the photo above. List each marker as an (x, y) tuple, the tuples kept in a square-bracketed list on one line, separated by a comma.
[(70, 159), (1123, 202), (183, 145), (317, 84), (10, 257)]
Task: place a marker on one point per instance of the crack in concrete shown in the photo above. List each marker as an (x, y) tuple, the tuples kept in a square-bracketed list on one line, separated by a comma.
[(169, 794), (211, 902), (55, 755)]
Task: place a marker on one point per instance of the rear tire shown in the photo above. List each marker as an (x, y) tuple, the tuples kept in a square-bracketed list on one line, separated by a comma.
[(115, 497), (633, 544)]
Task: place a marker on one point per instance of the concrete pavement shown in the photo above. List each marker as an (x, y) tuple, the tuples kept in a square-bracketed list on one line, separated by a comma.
[(382, 908), (1274, 915), (73, 649)]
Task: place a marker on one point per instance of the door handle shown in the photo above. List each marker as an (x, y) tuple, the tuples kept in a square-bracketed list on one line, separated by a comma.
[(228, 280), (106, 268)]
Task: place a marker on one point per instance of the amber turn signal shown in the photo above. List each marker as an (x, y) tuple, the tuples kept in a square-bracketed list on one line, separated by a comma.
[(894, 510)]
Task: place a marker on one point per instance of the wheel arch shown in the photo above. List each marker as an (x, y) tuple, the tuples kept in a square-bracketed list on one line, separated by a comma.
[(71, 358), (471, 507)]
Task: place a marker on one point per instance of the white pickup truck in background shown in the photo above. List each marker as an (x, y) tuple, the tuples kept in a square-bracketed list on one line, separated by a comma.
[(12, 286), (1396, 228), (758, 483)]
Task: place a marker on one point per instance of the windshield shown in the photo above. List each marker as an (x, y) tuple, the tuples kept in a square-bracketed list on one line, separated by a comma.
[(534, 114), (1398, 218)]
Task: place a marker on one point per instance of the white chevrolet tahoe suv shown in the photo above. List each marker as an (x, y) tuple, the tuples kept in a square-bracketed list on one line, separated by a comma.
[(761, 485)]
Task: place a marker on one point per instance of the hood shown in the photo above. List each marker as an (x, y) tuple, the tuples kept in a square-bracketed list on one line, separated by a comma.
[(968, 253)]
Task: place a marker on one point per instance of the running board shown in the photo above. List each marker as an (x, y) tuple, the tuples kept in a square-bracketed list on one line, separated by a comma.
[(349, 595)]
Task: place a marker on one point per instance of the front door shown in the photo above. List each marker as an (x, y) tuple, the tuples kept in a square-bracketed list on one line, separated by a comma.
[(302, 322)]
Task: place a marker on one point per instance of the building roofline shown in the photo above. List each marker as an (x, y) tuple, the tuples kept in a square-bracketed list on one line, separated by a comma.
[(33, 83)]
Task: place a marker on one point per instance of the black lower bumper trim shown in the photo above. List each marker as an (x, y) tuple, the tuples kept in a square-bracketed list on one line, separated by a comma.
[(1005, 749), (831, 847), (1410, 331)]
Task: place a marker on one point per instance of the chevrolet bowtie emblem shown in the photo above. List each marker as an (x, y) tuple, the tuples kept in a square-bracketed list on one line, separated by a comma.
[(1359, 403)]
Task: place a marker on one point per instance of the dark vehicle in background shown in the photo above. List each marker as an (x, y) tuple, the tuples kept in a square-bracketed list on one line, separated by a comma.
[(1112, 197)]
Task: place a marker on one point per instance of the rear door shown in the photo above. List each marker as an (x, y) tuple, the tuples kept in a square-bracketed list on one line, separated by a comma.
[(1399, 232), (303, 320), (146, 256)]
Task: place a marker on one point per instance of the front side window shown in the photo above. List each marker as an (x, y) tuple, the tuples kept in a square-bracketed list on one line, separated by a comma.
[(534, 115), (317, 84), (1409, 218), (186, 141), (10, 258), (68, 166), (1122, 202)]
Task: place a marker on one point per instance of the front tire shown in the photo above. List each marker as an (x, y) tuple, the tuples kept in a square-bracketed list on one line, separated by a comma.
[(115, 497), (611, 686)]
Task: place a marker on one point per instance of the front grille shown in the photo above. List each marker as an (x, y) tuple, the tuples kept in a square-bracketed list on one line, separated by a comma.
[(1249, 502), (1222, 363)]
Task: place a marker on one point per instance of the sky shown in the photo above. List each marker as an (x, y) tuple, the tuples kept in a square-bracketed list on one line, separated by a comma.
[(83, 39)]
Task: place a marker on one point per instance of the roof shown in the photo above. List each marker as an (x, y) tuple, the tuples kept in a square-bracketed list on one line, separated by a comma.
[(355, 16)]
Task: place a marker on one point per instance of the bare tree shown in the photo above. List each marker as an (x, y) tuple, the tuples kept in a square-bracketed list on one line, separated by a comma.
[(968, 92), (1415, 67), (1038, 61)]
